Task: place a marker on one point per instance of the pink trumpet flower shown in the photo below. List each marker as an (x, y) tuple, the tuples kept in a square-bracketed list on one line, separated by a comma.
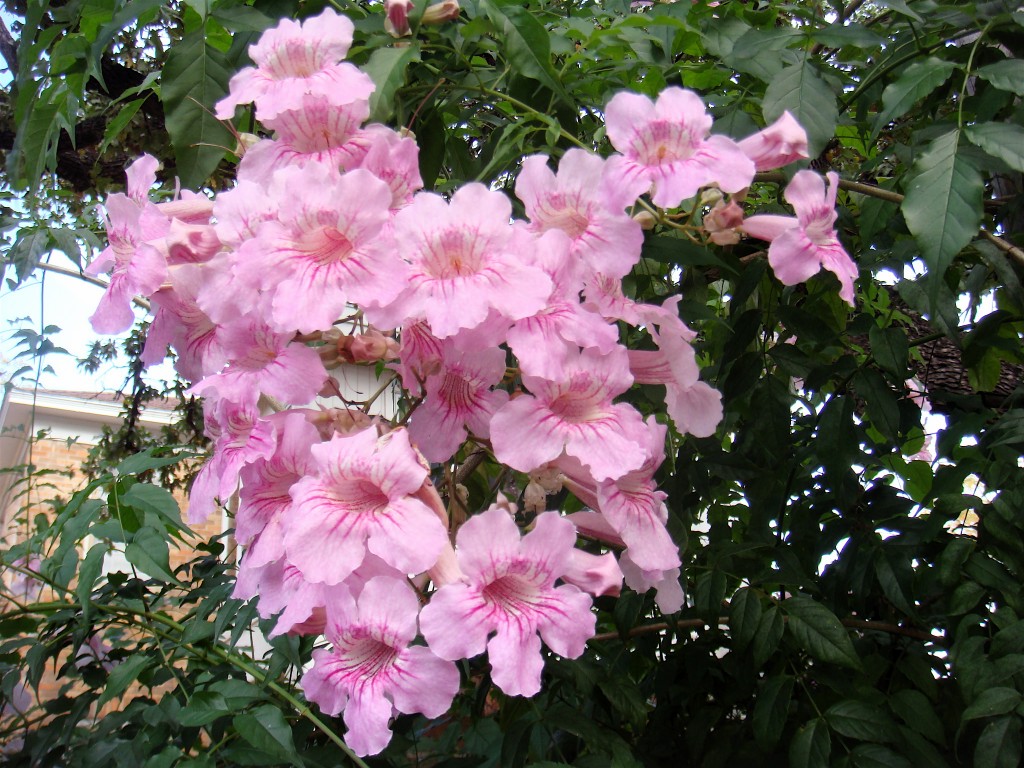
[(509, 590), (371, 671), (800, 247)]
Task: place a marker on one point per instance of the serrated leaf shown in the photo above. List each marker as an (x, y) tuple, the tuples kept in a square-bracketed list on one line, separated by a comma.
[(1002, 140), (876, 756), (769, 632), (771, 710), (965, 597), (148, 552), (195, 77), (992, 702), (999, 744), (811, 746), (626, 699), (123, 675), (36, 146), (387, 67), (202, 709), (153, 498), (800, 90), (27, 250), (744, 617), (144, 461), (1007, 75), (859, 720), (880, 400), (266, 729), (89, 571), (525, 42), (943, 204), (916, 711), (819, 632), (913, 84), (893, 587), (890, 349), (120, 122)]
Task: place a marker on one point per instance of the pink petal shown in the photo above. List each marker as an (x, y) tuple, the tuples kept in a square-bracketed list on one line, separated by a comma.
[(456, 622), (422, 682), (516, 661)]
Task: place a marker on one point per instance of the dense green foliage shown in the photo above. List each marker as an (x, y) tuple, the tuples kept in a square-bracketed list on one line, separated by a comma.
[(850, 602)]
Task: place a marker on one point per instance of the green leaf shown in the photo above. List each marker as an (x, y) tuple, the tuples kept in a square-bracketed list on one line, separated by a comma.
[(890, 349), (880, 400), (744, 617), (859, 720), (525, 42), (147, 551), (943, 204), (626, 699), (877, 756), (195, 77), (999, 744), (913, 84), (266, 729), (769, 632), (772, 710), (953, 558), (120, 122), (965, 597), (242, 18), (811, 746), (991, 702), (153, 498), (1002, 140), (915, 710), (89, 571), (36, 146), (123, 675), (386, 68), (817, 630), (800, 90), (1007, 75), (144, 461), (27, 250), (203, 708)]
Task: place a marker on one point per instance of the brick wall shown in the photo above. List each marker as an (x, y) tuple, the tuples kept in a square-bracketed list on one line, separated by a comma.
[(59, 476)]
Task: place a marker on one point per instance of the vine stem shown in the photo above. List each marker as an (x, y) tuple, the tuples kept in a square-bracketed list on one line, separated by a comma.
[(139, 302)]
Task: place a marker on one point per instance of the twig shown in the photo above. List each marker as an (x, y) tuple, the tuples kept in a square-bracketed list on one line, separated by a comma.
[(138, 301), (873, 626)]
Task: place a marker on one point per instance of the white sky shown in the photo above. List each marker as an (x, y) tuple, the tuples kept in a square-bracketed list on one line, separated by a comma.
[(67, 302)]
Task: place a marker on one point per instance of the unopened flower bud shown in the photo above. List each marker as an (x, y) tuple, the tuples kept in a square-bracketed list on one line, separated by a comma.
[(535, 498), (723, 221), (441, 12), (367, 347), (645, 219), (396, 23)]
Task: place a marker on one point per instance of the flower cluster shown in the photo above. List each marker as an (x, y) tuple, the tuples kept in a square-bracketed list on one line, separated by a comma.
[(263, 290)]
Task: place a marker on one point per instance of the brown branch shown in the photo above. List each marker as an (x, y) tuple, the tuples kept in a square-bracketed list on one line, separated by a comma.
[(138, 301), (8, 48), (870, 626)]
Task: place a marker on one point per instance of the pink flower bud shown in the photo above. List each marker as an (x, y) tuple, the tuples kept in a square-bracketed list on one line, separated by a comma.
[(722, 221), (397, 21), (441, 12), (367, 347)]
